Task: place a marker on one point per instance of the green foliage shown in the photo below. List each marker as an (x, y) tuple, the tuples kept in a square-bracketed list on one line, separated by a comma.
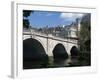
[(26, 23), (85, 58), (85, 33), (26, 14), (85, 39)]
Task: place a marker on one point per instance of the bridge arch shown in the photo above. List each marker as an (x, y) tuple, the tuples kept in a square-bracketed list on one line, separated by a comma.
[(36, 38), (33, 51), (74, 51), (59, 52)]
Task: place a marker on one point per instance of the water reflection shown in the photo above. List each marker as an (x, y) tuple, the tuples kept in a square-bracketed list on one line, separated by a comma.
[(50, 63)]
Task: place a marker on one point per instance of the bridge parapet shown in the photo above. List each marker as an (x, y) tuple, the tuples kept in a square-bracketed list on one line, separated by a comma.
[(33, 32), (49, 41)]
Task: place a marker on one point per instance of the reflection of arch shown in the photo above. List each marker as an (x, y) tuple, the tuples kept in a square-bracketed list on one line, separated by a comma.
[(59, 51), (33, 51), (74, 51)]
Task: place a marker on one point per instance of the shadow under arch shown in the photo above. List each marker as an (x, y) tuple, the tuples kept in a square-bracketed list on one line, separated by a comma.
[(59, 52), (74, 52), (34, 55)]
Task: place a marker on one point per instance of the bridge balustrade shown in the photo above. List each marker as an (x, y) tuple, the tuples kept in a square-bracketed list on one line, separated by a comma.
[(44, 34)]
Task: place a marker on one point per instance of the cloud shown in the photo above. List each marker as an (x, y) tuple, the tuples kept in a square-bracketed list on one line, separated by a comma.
[(70, 16)]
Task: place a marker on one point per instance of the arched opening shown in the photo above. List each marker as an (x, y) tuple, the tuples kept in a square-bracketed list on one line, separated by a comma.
[(59, 52), (74, 52), (34, 55)]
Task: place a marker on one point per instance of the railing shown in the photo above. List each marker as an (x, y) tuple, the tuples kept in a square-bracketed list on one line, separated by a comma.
[(44, 34)]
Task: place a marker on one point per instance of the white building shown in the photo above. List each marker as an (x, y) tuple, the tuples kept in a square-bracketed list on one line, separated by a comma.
[(73, 29)]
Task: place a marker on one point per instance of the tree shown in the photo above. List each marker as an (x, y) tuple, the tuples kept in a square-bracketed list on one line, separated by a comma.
[(26, 14), (26, 23), (85, 39), (85, 33)]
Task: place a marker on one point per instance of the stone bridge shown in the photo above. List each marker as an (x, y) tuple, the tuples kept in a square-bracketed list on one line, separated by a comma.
[(49, 43)]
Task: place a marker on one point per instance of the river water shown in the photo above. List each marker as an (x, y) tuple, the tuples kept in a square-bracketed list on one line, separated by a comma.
[(53, 63)]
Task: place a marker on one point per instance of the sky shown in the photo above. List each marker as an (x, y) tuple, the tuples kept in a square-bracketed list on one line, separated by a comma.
[(42, 19)]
